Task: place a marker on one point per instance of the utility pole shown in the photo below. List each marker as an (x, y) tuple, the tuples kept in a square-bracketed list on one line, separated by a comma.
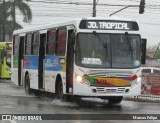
[(94, 8), (141, 8), (4, 21)]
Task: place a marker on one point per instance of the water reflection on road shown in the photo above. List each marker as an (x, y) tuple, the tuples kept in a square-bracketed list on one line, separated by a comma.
[(13, 100)]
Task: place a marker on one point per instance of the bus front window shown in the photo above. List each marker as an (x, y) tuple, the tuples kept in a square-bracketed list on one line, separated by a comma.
[(108, 50), (91, 52), (125, 51)]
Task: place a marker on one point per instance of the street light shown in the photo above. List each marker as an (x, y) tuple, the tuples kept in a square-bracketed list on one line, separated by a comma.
[(141, 7)]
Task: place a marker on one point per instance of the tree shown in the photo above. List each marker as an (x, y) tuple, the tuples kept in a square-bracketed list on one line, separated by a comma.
[(8, 16), (157, 52), (152, 47), (155, 49), (6, 22), (23, 8)]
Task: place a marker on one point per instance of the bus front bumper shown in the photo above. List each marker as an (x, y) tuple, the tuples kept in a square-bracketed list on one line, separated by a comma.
[(92, 91)]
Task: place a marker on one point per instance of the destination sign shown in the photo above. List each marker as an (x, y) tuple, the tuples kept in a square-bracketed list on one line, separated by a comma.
[(109, 25)]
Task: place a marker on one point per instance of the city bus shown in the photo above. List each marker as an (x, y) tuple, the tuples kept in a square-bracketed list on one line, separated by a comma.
[(84, 57), (5, 60)]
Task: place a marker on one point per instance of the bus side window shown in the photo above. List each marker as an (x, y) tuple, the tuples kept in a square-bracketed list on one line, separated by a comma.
[(51, 42), (28, 43), (61, 42), (35, 44)]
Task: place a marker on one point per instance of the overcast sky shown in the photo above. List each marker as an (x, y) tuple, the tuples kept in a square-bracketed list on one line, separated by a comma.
[(50, 11)]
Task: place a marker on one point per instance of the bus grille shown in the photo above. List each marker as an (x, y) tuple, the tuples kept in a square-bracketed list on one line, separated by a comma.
[(110, 90)]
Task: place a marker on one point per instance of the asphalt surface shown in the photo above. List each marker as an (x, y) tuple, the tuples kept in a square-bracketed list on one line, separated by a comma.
[(13, 100)]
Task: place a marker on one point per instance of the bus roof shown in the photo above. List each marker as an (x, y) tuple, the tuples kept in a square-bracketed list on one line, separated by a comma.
[(64, 23)]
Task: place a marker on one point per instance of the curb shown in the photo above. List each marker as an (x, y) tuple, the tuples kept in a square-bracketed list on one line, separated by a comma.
[(141, 100)]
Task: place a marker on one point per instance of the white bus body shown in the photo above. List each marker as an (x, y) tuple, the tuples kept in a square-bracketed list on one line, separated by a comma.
[(56, 53)]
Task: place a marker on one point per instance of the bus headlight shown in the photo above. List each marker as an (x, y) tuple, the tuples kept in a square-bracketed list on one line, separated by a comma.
[(136, 81), (139, 79), (81, 79)]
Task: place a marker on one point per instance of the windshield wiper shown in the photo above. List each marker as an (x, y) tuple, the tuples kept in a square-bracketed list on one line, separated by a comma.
[(129, 43), (100, 40)]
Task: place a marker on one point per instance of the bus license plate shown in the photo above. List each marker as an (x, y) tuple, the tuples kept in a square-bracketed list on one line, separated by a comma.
[(111, 90)]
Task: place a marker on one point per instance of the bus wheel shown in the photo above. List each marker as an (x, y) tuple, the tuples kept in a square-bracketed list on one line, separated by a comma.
[(115, 100), (27, 85), (59, 92)]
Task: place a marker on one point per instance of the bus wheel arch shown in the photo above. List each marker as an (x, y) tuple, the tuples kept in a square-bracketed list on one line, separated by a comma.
[(59, 87), (27, 83)]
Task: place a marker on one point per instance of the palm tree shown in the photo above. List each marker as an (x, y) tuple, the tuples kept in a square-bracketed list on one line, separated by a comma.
[(6, 24), (23, 8)]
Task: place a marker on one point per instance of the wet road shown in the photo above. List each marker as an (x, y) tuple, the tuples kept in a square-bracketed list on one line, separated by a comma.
[(13, 100)]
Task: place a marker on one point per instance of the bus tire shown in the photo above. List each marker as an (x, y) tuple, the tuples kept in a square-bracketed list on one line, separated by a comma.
[(115, 100), (59, 89), (27, 85)]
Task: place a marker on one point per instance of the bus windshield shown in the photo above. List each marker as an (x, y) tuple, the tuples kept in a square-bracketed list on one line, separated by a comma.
[(103, 50)]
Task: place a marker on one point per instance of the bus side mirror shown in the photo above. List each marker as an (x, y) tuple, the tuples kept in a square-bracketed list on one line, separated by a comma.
[(143, 44)]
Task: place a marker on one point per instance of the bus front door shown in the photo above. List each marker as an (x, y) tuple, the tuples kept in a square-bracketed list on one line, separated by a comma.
[(20, 61), (70, 62), (41, 61)]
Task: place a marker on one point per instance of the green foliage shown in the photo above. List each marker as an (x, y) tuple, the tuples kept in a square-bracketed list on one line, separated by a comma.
[(152, 47), (157, 55)]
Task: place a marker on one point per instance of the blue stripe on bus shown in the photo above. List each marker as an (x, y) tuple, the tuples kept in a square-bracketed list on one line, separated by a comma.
[(51, 63), (31, 62)]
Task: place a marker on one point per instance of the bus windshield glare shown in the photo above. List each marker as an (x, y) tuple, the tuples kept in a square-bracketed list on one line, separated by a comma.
[(102, 50)]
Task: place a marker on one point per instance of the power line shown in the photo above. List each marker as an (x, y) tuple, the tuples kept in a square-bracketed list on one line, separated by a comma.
[(79, 3), (81, 9), (76, 3), (85, 10)]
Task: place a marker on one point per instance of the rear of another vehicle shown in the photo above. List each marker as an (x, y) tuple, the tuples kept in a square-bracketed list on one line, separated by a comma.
[(151, 80), (5, 60)]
